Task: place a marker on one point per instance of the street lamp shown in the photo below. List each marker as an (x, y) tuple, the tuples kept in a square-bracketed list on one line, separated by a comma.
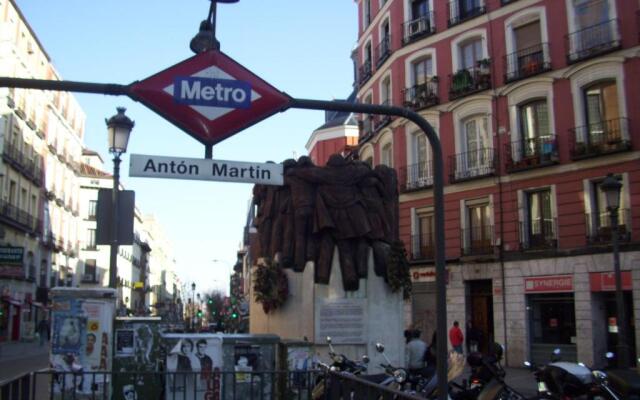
[(193, 305), (611, 189), (118, 129)]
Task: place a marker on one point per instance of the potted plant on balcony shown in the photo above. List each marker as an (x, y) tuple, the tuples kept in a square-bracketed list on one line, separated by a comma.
[(461, 81), (484, 65)]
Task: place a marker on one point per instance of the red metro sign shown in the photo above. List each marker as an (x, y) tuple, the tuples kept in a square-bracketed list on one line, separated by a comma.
[(210, 96)]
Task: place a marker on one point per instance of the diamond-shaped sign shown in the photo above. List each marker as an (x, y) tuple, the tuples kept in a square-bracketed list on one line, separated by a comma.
[(210, 96)]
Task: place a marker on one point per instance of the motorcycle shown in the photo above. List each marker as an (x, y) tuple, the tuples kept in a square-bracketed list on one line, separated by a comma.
[(339, 363), (487, 379), (623, 383), (568, 380)]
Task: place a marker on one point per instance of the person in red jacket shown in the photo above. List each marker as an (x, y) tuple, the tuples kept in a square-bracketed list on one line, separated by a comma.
[(456, 337)]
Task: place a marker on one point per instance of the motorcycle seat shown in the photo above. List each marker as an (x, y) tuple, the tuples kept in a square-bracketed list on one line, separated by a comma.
[(626, 382)]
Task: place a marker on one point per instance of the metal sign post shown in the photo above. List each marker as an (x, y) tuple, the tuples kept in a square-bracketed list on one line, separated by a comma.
[(208, 88)]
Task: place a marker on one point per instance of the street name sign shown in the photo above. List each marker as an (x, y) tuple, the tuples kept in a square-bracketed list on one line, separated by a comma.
[(147, 166), (210, 96)]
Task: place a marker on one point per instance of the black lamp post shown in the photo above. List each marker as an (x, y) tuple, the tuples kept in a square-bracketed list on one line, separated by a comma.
[(118, 128), (193, 305), (611, 189)]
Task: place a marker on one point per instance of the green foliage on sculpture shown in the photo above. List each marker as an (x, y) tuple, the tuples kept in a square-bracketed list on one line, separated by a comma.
[(398, 276), (271, 286)]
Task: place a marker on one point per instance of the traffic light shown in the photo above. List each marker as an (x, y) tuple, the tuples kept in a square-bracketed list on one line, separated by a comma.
[(210, 301), (234, 315), (199, 314)]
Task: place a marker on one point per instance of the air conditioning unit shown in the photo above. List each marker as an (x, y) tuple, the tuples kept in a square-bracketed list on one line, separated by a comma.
[(415, 27)]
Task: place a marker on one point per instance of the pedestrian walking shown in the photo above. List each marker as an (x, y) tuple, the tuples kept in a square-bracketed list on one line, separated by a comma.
[(43, 331), (456, 337), (416, 349)]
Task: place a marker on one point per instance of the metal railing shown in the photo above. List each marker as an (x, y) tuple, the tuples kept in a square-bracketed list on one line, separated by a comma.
[(539, 234), (593, 41), (468, 81), (422, 95), (477, 240), (348, 386), (366, 128), (472, 164), (527, 62), (530, 153), (383, 50), (364, 72), (18, 217), (599, 226), (418, 28), (423, 247), (604, 137), (415, 176), (460, 12)]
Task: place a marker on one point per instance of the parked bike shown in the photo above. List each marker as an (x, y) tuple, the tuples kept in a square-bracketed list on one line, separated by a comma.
[(339, 363)]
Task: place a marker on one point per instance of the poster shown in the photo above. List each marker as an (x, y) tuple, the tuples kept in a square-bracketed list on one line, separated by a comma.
[(194, 363), (80, 343), (137, 349), (300, 360), (245, 361)]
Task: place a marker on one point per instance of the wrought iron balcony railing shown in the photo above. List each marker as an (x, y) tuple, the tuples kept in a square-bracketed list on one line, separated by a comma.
[(477, 241), (593, 41), (599, 226), (468, 81), (605, 137), (383, 50), (505, 2), (531, 153), (366, 128), (422, 95), (472, 164), (460, 12), (364, 72), (538, 234), (16, 217), (527, 62), (380, 121), (422, 247), (418, 28), (415, 177)]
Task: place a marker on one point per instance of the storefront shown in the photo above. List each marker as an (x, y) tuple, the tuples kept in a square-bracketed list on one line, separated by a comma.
[(479, 302), (551, 317), (605, 324), (423, 300)]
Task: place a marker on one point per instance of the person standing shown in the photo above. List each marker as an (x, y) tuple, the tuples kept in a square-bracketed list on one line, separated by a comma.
[(43, 331), (456, 337), (416, 349)]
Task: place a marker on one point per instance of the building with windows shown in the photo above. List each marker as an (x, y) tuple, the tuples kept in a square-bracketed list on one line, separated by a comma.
[(41, 142), (533, 103)]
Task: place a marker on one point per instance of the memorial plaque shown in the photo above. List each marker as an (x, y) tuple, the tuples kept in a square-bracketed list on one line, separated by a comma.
[(343, 320)]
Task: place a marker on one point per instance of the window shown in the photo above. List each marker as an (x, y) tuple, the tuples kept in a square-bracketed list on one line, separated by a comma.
[(385, 91), (91, 238), (478, 235), (90, 271), (599, 219), (534, 127), (419, 8), (476, 142), (386, 155), (461, 10), (470, 53), (12, 192), (602, 112), (540, 230), (93, 204), (367, 12), (595, 28), (421, 71), (420, 175), (426, 236)]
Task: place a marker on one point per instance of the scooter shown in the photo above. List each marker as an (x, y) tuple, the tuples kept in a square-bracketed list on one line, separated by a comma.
[(339, 363), (624, 383), (568, 380)]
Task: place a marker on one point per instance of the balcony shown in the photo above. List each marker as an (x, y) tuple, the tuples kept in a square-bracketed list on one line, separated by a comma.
[(365, 126), (478, 241), (593, 41), (468, 81), (422, 95), (531, 153), (599, 227), (364, 72), (423, 247), (16, 217), (472, 165), (380, 121), (606, 137), (527, 62), (461, 11), (538, 234), (415, 177), (418, 28), (505, 2), (383, 51)]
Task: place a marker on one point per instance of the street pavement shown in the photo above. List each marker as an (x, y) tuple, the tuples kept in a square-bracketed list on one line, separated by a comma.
[(18, 358)]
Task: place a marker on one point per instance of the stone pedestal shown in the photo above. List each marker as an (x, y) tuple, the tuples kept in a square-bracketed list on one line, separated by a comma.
[(356, 321)]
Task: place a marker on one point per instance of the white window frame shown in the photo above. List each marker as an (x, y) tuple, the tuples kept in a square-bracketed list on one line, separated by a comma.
[(536, 88), (381, 85), (455, 46), (522, 18), (590, 72), (416, 213), (590, 197), (571, 15), (523, 213), (429, 52), (464, 218), (367, 152)]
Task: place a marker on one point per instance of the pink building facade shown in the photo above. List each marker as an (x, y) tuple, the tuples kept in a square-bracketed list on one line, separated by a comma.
[(535, 102)]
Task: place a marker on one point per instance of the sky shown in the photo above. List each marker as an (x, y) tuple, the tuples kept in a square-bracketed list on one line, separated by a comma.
[(301, 47)]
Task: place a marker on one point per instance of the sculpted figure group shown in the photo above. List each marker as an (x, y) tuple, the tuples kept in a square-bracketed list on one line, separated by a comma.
[(345, 204)]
